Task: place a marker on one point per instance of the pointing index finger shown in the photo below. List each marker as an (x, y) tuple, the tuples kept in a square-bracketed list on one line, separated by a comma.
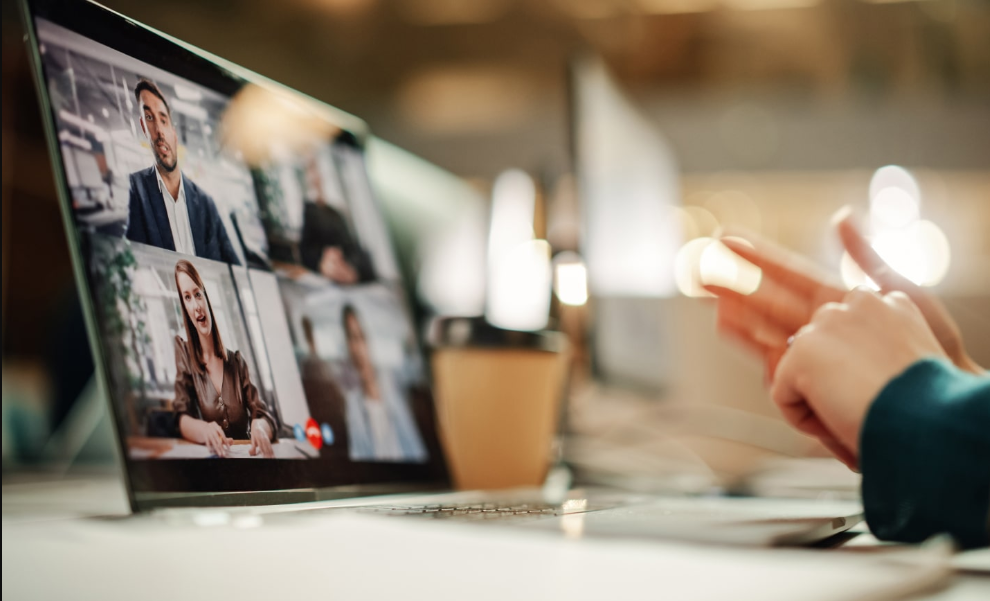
[(779, 264)]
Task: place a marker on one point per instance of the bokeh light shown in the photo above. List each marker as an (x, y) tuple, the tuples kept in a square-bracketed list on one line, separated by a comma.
[(893, 207), (704, 222), (893, 176), (570, 279), (520, 278), (914, 248), (720, 266), (519, 298), (685, 223), (265, 123), (687, 267), (735, 208), (920, 252), (513, 203), (706, 261)]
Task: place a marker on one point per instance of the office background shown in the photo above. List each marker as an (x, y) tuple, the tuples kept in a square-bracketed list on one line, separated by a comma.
[(776, 113)]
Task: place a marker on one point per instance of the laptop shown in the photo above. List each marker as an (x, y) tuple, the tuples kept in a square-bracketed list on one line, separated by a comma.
[(247, 315)]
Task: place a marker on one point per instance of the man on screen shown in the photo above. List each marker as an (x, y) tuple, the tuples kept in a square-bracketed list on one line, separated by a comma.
[(168, 210)]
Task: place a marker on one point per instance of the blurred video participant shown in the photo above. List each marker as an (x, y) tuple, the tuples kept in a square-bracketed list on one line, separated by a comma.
[(326, 402), (380, 424), (327, 246)]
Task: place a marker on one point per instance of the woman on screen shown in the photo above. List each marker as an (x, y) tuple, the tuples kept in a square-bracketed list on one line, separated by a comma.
[(214, 398), (379, 422)]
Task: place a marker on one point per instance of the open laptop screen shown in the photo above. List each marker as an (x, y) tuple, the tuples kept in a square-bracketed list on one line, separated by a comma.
[(240, 284)]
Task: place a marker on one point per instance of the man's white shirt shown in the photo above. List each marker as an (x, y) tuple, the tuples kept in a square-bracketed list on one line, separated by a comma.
[(178, 216)]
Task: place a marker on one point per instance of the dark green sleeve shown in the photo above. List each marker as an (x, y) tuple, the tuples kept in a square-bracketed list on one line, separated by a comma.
[(925, 456)]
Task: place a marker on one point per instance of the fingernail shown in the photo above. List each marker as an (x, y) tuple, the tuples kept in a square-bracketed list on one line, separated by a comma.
[(844, 212), (850, 214), (731, 242)]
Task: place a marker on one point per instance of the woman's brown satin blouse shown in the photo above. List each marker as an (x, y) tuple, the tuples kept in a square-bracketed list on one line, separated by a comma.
[(233, 409)]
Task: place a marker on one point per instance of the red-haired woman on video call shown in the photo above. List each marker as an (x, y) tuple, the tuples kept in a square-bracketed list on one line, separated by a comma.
[(214, 397)]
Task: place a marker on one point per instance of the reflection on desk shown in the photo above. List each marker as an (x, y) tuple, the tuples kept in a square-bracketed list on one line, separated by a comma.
[(146, 447)]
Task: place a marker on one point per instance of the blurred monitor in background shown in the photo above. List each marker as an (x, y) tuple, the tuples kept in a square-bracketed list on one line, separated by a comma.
[(438, 225), (627, 179)]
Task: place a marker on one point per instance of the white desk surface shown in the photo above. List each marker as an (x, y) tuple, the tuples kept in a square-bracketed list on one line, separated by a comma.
[(55, 546)]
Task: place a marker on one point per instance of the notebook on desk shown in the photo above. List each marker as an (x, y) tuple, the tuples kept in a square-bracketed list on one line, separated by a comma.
[(245, 307)]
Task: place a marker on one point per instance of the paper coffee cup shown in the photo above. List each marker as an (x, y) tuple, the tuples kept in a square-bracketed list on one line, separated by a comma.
[(498, 398)]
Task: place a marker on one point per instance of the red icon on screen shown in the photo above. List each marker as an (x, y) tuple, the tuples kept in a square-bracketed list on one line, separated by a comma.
[(313, 434)]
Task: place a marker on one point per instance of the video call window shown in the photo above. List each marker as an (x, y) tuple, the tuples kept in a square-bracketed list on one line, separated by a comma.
[(356, 349), (246, 310), (151, 304), (308, 219), (368, 219), (127, 131)]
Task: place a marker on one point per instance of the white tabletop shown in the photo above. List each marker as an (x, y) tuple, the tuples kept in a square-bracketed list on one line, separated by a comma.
[(55, 546)]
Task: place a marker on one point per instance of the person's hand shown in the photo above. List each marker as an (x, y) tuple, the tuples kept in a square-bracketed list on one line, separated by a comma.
[(335, 267), (212, 435), (839, 362), (792, 289), (939, 320), (261, 439)]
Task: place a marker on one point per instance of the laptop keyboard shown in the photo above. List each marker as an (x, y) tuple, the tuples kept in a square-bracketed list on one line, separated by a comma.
[(485, 511)]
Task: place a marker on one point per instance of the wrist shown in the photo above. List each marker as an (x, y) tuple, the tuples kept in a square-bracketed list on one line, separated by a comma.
[(966, 363), (200, 430)]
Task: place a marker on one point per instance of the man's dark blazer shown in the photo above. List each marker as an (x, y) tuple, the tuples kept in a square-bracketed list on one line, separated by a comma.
[(147, 220), (324, 226)]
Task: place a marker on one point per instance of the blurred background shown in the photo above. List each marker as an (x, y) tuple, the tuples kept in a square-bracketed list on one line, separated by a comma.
[(592, 148)]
